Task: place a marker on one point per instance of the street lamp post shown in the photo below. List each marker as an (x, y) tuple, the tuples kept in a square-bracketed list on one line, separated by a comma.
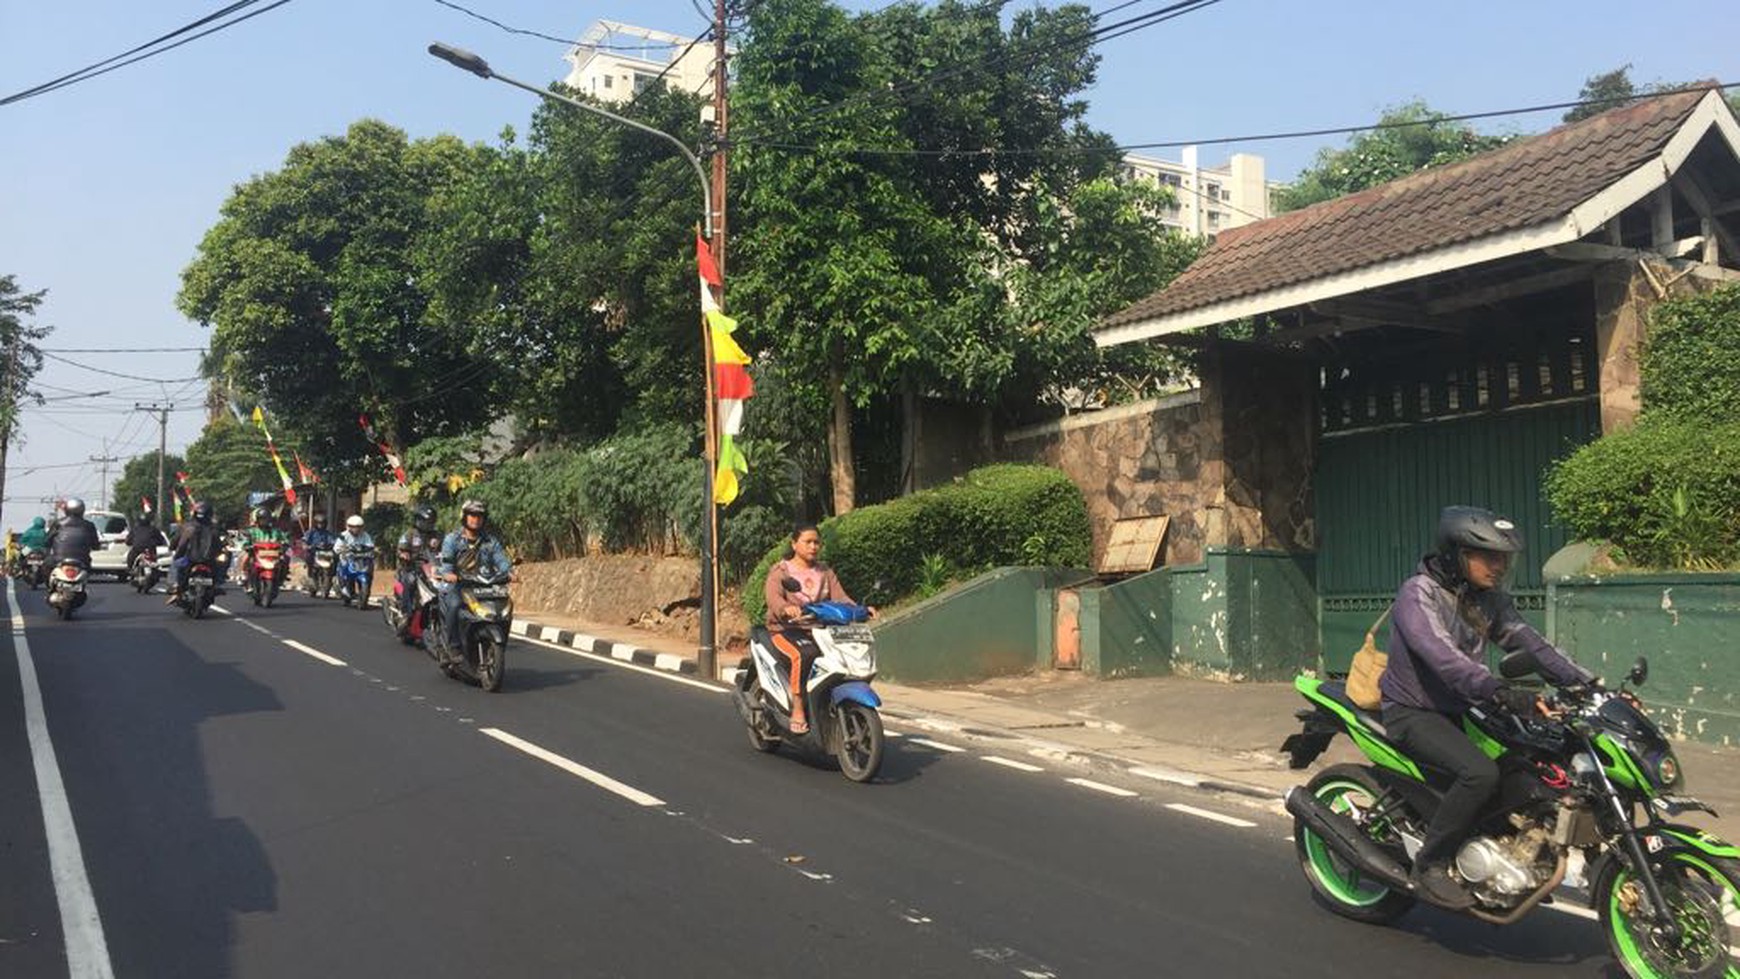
[(460, 58)]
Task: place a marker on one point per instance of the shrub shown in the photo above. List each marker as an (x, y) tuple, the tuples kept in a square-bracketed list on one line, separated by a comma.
[(1666, 493), (998, 515), (1691, 361)]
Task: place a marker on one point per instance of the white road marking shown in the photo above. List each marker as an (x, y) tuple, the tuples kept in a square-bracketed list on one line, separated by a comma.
[(938, 745), (317, 654), (661, 674), (549, 633), (1206, 814), (1100, 787), (87, 951), (599, 779), (1019, 766)]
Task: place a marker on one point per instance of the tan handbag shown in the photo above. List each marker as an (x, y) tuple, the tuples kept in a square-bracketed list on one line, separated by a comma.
[(1368, 665)]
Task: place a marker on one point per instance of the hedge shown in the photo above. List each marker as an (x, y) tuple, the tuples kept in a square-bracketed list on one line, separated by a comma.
[(994, 516), (1666, 492), (1690, 363)]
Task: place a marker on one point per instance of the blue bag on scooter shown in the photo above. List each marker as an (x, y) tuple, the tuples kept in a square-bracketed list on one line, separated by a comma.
[(836, 613)]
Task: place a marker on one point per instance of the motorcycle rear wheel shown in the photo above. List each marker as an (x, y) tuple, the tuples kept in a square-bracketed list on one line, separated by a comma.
[(1704, 893), (1336, 882), (64, 611), (757, 740), (859, 748)]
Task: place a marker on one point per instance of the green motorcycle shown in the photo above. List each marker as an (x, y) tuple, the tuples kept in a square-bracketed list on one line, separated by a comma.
[(1574, 779)]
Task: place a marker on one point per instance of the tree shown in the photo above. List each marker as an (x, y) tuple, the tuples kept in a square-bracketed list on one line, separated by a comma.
[(1410, 138), (319, 310), (868, 254), (226, 463), (138, 481), (21, 360), (1613, 89)]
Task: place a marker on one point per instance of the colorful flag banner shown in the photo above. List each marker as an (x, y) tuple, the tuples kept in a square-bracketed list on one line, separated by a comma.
[(145, 505), (386, 450), (304, 474), (732, 384), (283, 476)]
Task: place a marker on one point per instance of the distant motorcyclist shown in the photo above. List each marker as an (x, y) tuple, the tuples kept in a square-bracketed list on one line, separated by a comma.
[(1445, 614), (142, 536), (469, 552), (318, 538), (35, 537), (355, 536), (263, 531), (199, 541), (422, 543), (75, 537)]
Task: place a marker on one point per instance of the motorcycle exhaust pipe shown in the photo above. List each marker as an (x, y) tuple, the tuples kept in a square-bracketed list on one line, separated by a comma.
[(1346, 840)]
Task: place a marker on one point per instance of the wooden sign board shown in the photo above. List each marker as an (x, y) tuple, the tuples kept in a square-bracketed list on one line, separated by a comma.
[(1134, 544)]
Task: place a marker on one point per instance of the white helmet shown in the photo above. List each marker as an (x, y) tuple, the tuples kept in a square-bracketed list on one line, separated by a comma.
[(353, 523)]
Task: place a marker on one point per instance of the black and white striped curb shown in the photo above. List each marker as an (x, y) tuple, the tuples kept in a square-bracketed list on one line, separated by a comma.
[(626, 652)]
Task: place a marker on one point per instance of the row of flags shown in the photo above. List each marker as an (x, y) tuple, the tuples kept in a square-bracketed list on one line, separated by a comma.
[(732, 384)]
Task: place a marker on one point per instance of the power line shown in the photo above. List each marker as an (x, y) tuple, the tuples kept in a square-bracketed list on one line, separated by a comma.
[(130, 377), (1254, 138), (92, 71), (121, 350), (551, 37)]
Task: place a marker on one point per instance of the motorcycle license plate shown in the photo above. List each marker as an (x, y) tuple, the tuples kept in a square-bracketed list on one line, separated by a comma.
[(490, 592), (199, 580), (852, 633)]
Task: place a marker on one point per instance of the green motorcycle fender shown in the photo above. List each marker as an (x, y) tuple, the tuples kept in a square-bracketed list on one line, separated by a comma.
[(1664, 838)]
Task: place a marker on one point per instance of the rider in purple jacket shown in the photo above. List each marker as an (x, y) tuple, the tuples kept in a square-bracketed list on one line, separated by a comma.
[(1444, 615)]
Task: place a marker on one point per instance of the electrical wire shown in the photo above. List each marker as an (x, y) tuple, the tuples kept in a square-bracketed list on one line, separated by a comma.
[(551, 37), (121, 350), (92, 71), (130, 377)]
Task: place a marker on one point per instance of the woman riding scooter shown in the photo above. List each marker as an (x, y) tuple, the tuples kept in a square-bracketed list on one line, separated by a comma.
[(816, 582)]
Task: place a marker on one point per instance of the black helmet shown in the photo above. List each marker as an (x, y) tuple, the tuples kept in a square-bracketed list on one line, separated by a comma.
[(423, 518), (1471, 527), (474, 506), (145, 516), (202, 512), (262, 515), (73, 507), (320, 520)]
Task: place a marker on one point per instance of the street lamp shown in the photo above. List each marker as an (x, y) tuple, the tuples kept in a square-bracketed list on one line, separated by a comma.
[(463, 59)]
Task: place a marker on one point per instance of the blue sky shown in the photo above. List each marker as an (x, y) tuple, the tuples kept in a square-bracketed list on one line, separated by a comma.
[(108, 185)]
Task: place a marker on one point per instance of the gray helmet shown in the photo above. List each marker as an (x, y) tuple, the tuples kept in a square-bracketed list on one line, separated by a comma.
[(478, 507), (423, 518), (73, 507), (1462, 527)]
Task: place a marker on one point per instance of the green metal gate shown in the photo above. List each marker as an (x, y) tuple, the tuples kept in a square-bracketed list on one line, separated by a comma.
[(1392, 454)]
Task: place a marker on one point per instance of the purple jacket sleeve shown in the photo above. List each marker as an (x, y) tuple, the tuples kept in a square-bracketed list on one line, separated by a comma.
[(1512, 633), (1418, 619)]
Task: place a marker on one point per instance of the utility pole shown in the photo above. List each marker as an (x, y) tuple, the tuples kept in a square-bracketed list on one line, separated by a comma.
[(103, 490), (162, 412), (8, 410), (706, 652)]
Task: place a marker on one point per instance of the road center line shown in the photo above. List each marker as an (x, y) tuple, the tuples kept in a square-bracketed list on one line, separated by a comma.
[(1100, 787), (87, 952), (317, 654), (1019, 766), (1206, 814), (599, 779)]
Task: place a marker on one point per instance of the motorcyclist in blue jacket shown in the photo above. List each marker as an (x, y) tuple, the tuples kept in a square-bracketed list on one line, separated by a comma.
[(469, 552), (317, 538)]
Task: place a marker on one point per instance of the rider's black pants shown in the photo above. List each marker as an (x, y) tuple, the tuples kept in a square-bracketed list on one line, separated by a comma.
[(1436, 739)]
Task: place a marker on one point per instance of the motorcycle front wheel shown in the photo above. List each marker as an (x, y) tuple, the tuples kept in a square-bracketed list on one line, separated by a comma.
[(1337, 882), (491, 664), (1704, 895), (859, 749)]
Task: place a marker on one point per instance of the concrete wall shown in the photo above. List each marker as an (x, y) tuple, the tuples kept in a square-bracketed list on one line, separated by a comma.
[(997, 624), (1688, 625)]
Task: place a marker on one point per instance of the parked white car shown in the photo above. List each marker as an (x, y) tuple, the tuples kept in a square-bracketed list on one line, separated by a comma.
[(110, 557)]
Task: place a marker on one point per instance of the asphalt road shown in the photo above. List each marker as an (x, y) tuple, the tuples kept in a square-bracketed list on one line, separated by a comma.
[(248, 807)]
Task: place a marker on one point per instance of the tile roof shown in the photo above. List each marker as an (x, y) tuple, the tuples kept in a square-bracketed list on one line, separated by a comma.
[(1526, 183)]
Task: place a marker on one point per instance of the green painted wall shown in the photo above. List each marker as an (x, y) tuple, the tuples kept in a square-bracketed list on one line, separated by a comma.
[(989, 626), (1688, 625), (1126, 627)]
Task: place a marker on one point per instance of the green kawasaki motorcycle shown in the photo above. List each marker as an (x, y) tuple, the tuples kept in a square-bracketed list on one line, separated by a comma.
[(1667, 894)]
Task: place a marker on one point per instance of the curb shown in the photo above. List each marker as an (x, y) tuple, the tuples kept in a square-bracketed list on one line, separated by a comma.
[(670, 662), (628, 653)]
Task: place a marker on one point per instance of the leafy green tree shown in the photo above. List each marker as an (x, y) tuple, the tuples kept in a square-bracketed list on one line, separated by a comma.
[(139, 481), (1414, 138), (1613, 89), (226, 463), (317, 306), (20, 360)]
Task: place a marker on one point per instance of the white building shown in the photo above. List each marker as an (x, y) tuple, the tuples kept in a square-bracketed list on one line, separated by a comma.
[(614, 62), (1209, 199)]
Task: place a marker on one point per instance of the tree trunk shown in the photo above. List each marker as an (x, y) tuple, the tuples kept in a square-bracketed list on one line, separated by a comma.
[(840, 471), (911, 420)]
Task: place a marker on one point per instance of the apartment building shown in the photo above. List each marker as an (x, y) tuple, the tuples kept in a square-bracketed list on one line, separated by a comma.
[(614, 62), (1208, 199)]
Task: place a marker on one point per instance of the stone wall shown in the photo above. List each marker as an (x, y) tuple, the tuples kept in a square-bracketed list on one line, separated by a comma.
[(1145, 459), (1267, 408), (626, 589)]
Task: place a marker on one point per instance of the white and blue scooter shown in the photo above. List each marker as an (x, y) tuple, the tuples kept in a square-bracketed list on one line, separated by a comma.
[(841, 707)]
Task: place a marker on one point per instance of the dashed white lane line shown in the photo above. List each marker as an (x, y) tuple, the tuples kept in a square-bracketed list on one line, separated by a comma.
[(1019, 766), (317, 654), (661, 674), (938, 745), (1100, 787), (87, 951), (572, 767), (1212, 816)]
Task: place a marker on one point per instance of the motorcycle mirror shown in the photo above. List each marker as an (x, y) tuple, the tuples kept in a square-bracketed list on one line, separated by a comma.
[(1639, 672), (791, 584), (1518, 663)]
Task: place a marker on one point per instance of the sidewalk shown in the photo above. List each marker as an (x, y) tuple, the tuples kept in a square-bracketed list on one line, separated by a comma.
[(1216, 737)]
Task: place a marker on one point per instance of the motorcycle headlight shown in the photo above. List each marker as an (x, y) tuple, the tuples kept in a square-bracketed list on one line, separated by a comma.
[(1667, 770)]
